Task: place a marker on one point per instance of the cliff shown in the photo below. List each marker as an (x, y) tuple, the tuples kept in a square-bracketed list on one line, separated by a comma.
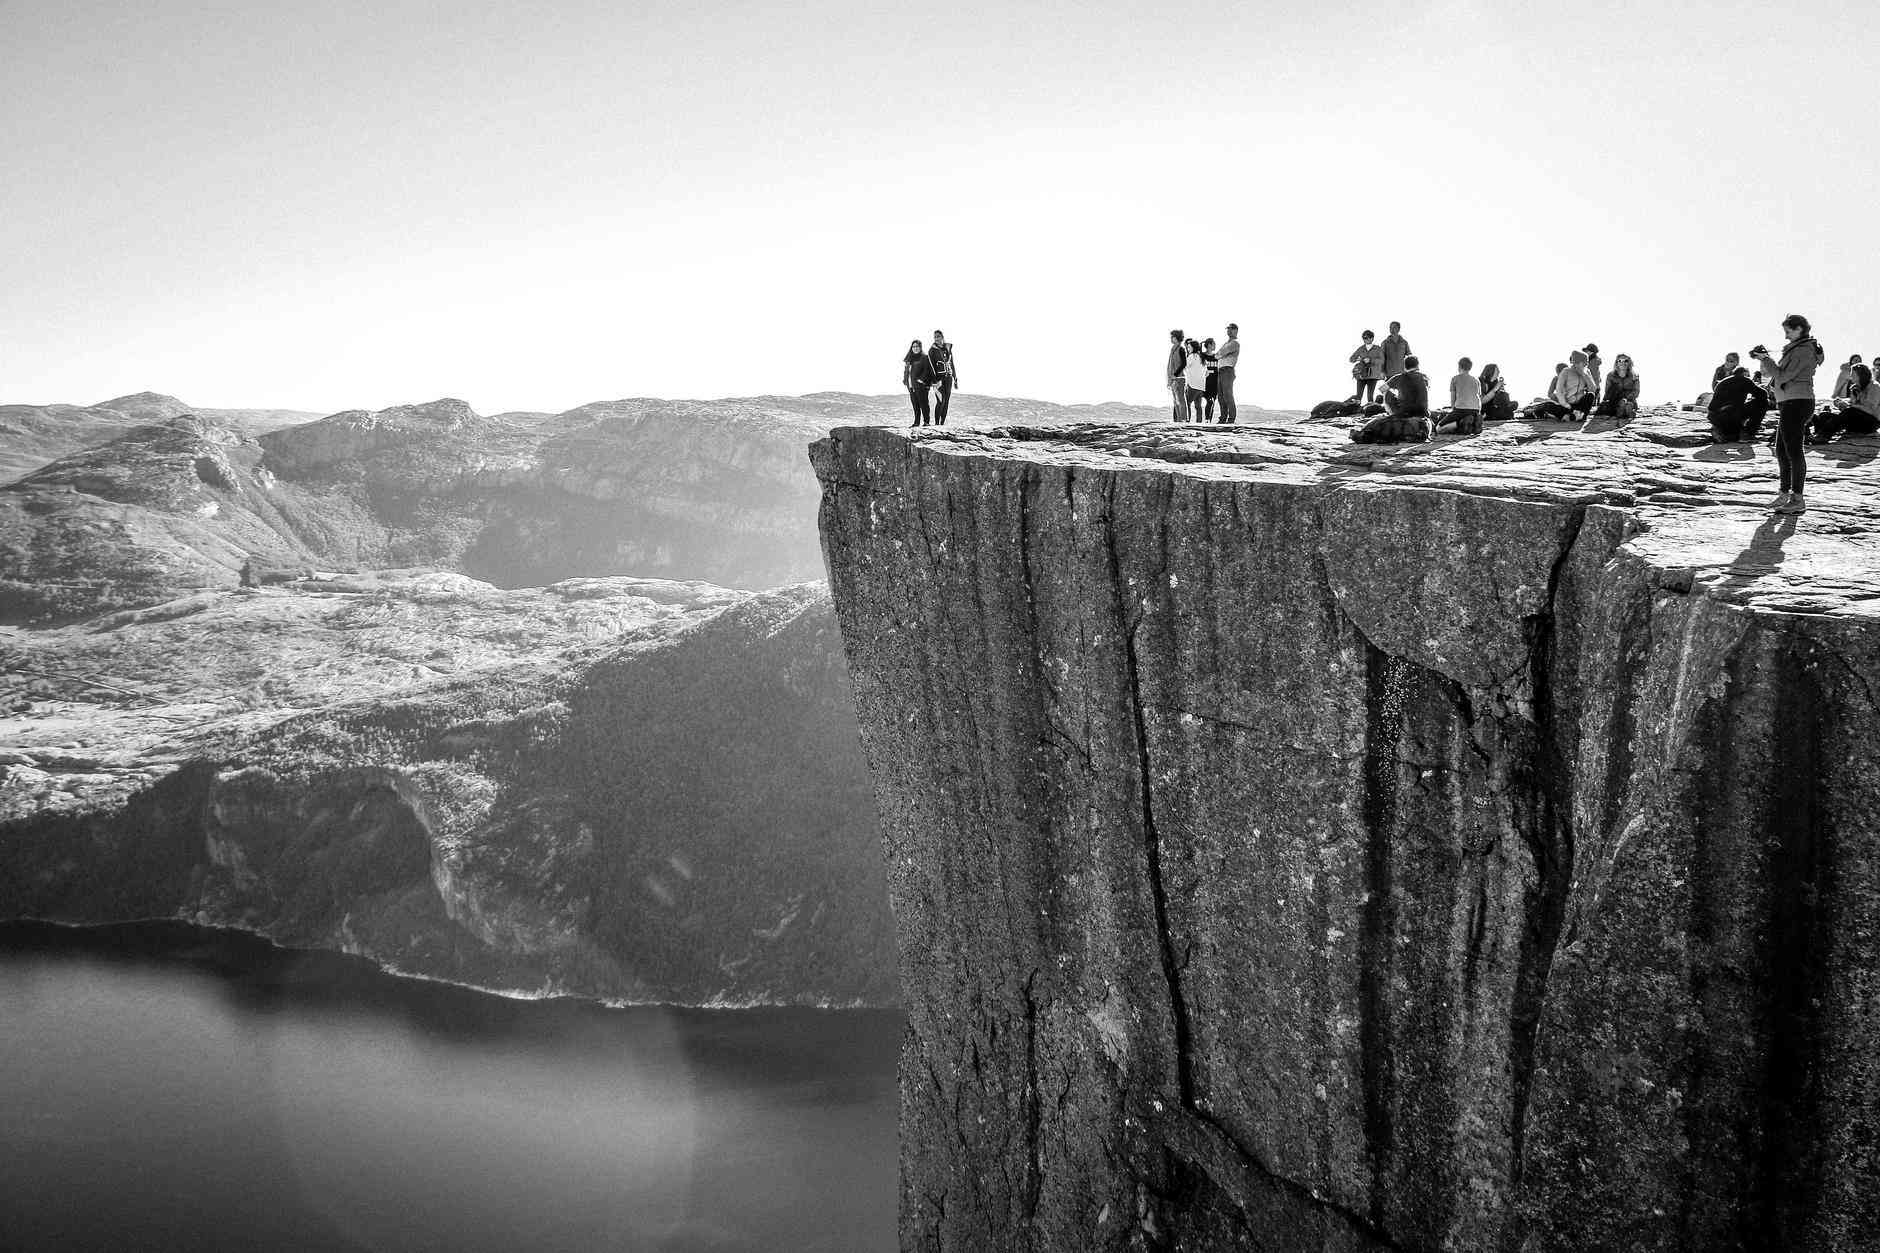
[(1301, 846), (675, 811)]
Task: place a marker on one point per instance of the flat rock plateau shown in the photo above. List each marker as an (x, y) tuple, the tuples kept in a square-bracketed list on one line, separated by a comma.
[(1297, 845)]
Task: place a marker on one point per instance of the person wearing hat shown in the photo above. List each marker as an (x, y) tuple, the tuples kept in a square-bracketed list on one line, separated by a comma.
[(941, 356), (1592, 362), (1227, 361), (1367, 368)]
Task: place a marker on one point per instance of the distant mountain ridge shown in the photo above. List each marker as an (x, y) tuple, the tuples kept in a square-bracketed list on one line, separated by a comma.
[(161, 500)]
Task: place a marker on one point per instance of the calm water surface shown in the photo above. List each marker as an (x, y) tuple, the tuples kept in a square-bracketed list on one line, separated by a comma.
[(168, 1088)]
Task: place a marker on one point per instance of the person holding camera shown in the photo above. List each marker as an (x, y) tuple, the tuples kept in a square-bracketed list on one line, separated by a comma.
[(1792, 378), (1367, 368)]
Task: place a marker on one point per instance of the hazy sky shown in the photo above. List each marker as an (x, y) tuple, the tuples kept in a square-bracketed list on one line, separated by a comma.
[(533, 205)]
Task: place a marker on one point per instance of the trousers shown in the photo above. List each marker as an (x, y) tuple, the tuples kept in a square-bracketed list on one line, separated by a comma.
[(1179, 390), (1229, 411), (1791, 432), (945, 390), (917, 394)]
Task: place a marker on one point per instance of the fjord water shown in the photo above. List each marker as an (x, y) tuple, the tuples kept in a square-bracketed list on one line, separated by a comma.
[(165, 1087)]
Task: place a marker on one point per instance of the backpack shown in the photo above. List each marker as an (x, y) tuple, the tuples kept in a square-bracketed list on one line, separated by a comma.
[(1392, 429), (1327, 409)]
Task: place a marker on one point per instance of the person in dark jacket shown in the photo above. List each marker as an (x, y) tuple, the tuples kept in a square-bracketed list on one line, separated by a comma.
[(917, 377), (1793, 380), (1177, 385), (1407, 394), (1367, 367), (946, 376), (1497, 404), (1621, 397), (1737, 406), (1396, 351)]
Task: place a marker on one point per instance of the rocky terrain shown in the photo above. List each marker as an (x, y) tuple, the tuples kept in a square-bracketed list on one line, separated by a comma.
[(1303, 846), (32, 435), (171, 500), (622, 788)]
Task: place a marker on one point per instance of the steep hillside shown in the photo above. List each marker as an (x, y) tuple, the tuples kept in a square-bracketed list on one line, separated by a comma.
[(678, 815), (712, 490), (1304, 846)]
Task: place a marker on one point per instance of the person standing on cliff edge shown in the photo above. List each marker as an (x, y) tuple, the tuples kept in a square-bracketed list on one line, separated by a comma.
[(1177, 386), (946, 378), (1227, 358), (1792, 378)]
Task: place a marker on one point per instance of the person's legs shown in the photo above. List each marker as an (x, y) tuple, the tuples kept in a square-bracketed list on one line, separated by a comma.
[(918, 395), (1229, 410), (1196, 398), (1726, 424), (940, 406), (1367, 391), (1179, 390), (1791, 429)]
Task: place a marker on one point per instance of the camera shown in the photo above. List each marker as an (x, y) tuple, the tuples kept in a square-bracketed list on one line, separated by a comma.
[(1759, 351)]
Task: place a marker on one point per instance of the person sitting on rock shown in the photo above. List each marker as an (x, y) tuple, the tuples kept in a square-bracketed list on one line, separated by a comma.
[(1572, 392), (1737, 406), (1367, 367), (917, 377), (1857, 413), (1406, 416), (1497, 404), (1731, 360), (1843, 379), (1465, 403), (1621, 399)]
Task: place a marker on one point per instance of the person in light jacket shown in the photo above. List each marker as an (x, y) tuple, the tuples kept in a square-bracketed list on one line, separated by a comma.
[(1792, 378), (1195, 378), (1573, 391), (1367, 367), (1843, 378), (1857, 413), (1621, 398)]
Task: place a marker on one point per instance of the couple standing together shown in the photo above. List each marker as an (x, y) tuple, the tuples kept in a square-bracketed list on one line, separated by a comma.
[(1199, 374), (922, 372)]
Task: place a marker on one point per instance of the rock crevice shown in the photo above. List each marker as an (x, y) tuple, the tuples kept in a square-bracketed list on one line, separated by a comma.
[(1444, 852)]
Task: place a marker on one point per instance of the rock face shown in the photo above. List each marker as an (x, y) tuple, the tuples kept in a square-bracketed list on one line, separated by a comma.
[(678, 815), (1300, 846)]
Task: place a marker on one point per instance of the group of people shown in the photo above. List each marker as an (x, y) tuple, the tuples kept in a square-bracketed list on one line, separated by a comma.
[(1403, 411), (1201, 375), (1739, 400), (930, 376)]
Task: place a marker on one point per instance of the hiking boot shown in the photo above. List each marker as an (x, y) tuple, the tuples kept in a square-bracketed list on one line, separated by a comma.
[(1782, 498), (1796, 503)]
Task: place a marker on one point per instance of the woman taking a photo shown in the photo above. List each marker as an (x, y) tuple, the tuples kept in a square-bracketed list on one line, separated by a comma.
[(1793, 380)]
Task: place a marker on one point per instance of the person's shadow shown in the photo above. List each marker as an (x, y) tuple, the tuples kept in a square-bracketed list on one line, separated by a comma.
[(1764, 553), (1737, 450)]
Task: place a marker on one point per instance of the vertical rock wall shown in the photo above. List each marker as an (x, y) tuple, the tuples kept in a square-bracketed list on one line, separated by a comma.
[(1294, 863)]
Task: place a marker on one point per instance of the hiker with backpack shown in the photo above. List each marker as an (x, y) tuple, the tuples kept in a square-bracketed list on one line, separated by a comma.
[(1621, 398), (1367, 368), (1177, 384), (1857, 413), (945, 377), (1793, 379), (917, 377)]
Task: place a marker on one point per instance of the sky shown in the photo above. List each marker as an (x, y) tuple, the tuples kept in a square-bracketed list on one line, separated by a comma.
[(536, 205)]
